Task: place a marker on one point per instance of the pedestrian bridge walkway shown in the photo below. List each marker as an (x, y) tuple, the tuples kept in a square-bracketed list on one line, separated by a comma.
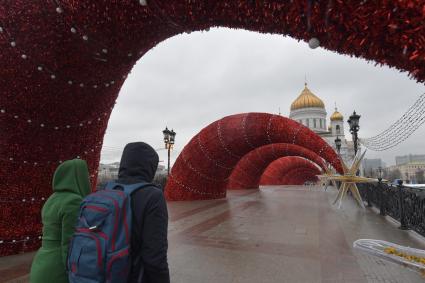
[(275, 234)]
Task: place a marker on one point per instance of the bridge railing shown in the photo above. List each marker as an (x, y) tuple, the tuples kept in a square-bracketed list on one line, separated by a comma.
[(406, 205)]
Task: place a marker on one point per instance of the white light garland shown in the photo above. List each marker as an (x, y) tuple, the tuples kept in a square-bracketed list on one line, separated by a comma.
[(399, 131), (86, 38), (52, 74), (296, 133), (197, 191), (41, 163), (222, 143), (269, 125), (199, 173), (85, 123), (204, 151), (75, 30), (14, 241), (30, 200), (245, 135), (247, 140)]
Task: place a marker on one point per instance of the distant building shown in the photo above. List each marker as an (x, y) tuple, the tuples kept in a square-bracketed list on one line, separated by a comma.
[(412, 172), (399, 160), (108, 171), (370, 166), (161, 171), (161, 168)]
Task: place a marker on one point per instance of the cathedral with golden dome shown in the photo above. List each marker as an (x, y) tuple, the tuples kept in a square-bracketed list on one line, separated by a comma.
[(309, 110)]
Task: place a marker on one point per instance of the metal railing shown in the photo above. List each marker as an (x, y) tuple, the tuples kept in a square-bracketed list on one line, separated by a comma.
[(406, 205)]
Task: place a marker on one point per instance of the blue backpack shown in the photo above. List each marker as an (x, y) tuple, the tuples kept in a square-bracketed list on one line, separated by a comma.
[(99, 249)]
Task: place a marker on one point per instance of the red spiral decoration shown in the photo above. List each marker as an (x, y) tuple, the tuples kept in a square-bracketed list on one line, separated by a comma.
[(249, 169), (203, 168), (287, 171)]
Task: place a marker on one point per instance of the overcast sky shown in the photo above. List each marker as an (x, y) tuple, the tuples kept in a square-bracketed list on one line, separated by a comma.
[(191, 80)]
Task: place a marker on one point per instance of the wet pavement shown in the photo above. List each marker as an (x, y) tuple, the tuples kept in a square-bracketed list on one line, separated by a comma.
[(276, 234)]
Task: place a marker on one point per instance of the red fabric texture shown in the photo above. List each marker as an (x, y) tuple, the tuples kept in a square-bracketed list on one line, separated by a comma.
[(203, 168), (288, 170), (299, 176), (249, 169)]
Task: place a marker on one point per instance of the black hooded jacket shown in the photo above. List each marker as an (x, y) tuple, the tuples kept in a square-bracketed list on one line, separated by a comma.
[(149, 243)]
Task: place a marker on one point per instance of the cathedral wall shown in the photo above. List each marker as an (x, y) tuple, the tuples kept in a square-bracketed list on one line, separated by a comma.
[(313, 118)]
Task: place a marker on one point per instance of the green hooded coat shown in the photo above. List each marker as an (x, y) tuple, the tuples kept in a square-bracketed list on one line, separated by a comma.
[(59, 216)]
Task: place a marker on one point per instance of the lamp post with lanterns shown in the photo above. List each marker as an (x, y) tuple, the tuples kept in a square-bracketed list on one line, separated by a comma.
[(169, 138), (338, 144), (354, 129)]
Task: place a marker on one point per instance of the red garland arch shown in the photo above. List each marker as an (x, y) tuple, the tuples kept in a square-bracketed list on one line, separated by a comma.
[(64, 62), (249, 169), (276, 172), (299, 176), (204, 166)]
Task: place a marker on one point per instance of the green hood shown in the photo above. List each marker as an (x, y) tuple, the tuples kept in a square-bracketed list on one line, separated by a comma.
[(72, 176)]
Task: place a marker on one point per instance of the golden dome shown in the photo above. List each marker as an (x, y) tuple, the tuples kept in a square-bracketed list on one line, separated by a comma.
[(306, 100), (336, 116)]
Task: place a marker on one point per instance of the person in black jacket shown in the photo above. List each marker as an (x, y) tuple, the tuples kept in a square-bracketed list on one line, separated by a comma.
[(148, 247)]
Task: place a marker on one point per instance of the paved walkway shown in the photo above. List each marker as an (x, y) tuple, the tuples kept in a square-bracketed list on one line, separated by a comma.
[(277, 234)]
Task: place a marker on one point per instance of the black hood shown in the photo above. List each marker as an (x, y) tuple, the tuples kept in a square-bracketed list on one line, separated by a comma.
[(139, 162)]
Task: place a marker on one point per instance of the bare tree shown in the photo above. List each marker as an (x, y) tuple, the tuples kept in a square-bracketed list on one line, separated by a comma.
[(419, 176), (394, 174)]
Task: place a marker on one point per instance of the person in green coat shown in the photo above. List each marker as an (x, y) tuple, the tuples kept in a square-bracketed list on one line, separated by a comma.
[(59, 216)]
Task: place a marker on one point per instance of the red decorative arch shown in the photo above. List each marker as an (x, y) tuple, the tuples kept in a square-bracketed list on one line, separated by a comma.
[(277, 172), (64, 62), (202, 169), (249, 169), (299, 176)]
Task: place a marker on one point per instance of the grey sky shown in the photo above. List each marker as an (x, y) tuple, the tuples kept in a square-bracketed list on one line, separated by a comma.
[(191, 80)]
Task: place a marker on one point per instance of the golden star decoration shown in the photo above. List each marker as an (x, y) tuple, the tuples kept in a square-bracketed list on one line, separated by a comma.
[(348, 181)]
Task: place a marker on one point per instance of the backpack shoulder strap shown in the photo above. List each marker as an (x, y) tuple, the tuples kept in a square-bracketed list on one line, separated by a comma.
[(128, 189), (110, 185)]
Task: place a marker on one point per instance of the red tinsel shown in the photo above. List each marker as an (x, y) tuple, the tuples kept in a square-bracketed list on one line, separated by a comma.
[(289, 170), (299, 176), (203, 168), (249, 169), (66, 64)]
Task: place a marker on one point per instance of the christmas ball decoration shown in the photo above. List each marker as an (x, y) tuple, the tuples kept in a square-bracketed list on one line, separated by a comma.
[(313, 43)]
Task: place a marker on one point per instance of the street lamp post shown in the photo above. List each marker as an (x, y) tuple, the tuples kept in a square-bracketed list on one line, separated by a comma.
[(354, 129), (169, 138), (338, 144), (381, 191)]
